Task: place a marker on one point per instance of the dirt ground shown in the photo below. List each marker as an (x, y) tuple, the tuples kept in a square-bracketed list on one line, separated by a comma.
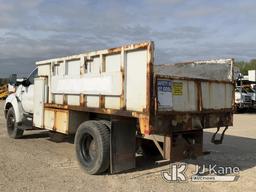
[(35, 163)]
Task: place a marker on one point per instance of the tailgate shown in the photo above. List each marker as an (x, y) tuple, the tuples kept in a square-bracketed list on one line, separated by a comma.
[(178, 94), (197, 86)]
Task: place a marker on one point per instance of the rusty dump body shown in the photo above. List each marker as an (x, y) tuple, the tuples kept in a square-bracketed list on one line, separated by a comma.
[(166, 121), (170, 105)]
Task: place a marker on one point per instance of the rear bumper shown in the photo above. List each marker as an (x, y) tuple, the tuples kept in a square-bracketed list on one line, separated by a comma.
[(166, 124)]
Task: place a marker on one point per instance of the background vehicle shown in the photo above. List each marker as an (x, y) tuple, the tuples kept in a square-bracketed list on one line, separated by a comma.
[(115, 99), (251, 92), (243, 99), (3, 92)]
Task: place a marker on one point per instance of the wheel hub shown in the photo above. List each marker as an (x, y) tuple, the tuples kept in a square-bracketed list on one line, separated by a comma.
[(89, 149), (11, 122)]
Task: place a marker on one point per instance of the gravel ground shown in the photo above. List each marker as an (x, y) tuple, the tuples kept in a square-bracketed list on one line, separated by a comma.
[(35, 163)]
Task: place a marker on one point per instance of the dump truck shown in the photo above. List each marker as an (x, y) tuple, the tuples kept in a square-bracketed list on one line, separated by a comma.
[(115, 100)]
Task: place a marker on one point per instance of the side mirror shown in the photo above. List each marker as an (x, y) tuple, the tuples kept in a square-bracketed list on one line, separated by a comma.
[(25, 82), (13, 79)]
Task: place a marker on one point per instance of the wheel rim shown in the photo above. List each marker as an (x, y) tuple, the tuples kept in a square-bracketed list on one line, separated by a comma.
[(11, 123), (88, 148)]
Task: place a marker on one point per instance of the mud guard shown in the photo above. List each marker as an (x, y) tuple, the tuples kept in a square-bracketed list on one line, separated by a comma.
[(123, 145)]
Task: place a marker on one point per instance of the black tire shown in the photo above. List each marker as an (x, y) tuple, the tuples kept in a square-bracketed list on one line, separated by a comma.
[(92, 143), (106, 123), (12, 129), (149, 148)]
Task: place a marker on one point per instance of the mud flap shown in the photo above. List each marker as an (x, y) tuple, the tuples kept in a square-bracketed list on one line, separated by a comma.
[(123, 145)]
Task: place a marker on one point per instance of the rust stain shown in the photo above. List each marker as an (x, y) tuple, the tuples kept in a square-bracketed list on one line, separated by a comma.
[(143, 45), (165, 124), (114, 50), (150, 83), (54, 124), (144, 125), (55, 106), (122, 97), (65, 99), (102, 101), (82, 100), (150, 78), (96, 110), (199, 96)]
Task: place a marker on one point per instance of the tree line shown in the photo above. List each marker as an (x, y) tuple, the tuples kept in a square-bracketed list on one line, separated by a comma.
[(244, 66)]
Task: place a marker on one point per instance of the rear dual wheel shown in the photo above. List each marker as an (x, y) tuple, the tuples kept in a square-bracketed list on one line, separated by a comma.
[(92, 142)]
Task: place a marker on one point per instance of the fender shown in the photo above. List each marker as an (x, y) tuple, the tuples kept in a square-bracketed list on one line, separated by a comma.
[(13, 100)]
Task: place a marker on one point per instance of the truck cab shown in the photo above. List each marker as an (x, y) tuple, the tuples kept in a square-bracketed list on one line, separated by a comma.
[(19, 105)]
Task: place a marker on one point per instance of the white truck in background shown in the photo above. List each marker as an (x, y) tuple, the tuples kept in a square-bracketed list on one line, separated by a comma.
[(116, 99), (243, 98), (252, 93), (244, 95)]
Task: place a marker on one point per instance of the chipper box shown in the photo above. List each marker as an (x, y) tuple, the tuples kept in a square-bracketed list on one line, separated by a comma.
[(115, 99)]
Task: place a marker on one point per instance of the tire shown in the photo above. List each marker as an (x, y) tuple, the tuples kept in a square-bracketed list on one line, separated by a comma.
[(12, 129), (92, 143)]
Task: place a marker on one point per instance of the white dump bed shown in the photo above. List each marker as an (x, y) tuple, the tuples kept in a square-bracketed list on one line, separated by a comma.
[(122, 81)]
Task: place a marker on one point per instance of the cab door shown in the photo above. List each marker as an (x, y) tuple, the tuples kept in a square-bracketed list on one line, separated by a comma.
[(27, 92)]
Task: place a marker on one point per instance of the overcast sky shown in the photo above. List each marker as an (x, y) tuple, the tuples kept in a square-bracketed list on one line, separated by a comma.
[(182, 30)]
